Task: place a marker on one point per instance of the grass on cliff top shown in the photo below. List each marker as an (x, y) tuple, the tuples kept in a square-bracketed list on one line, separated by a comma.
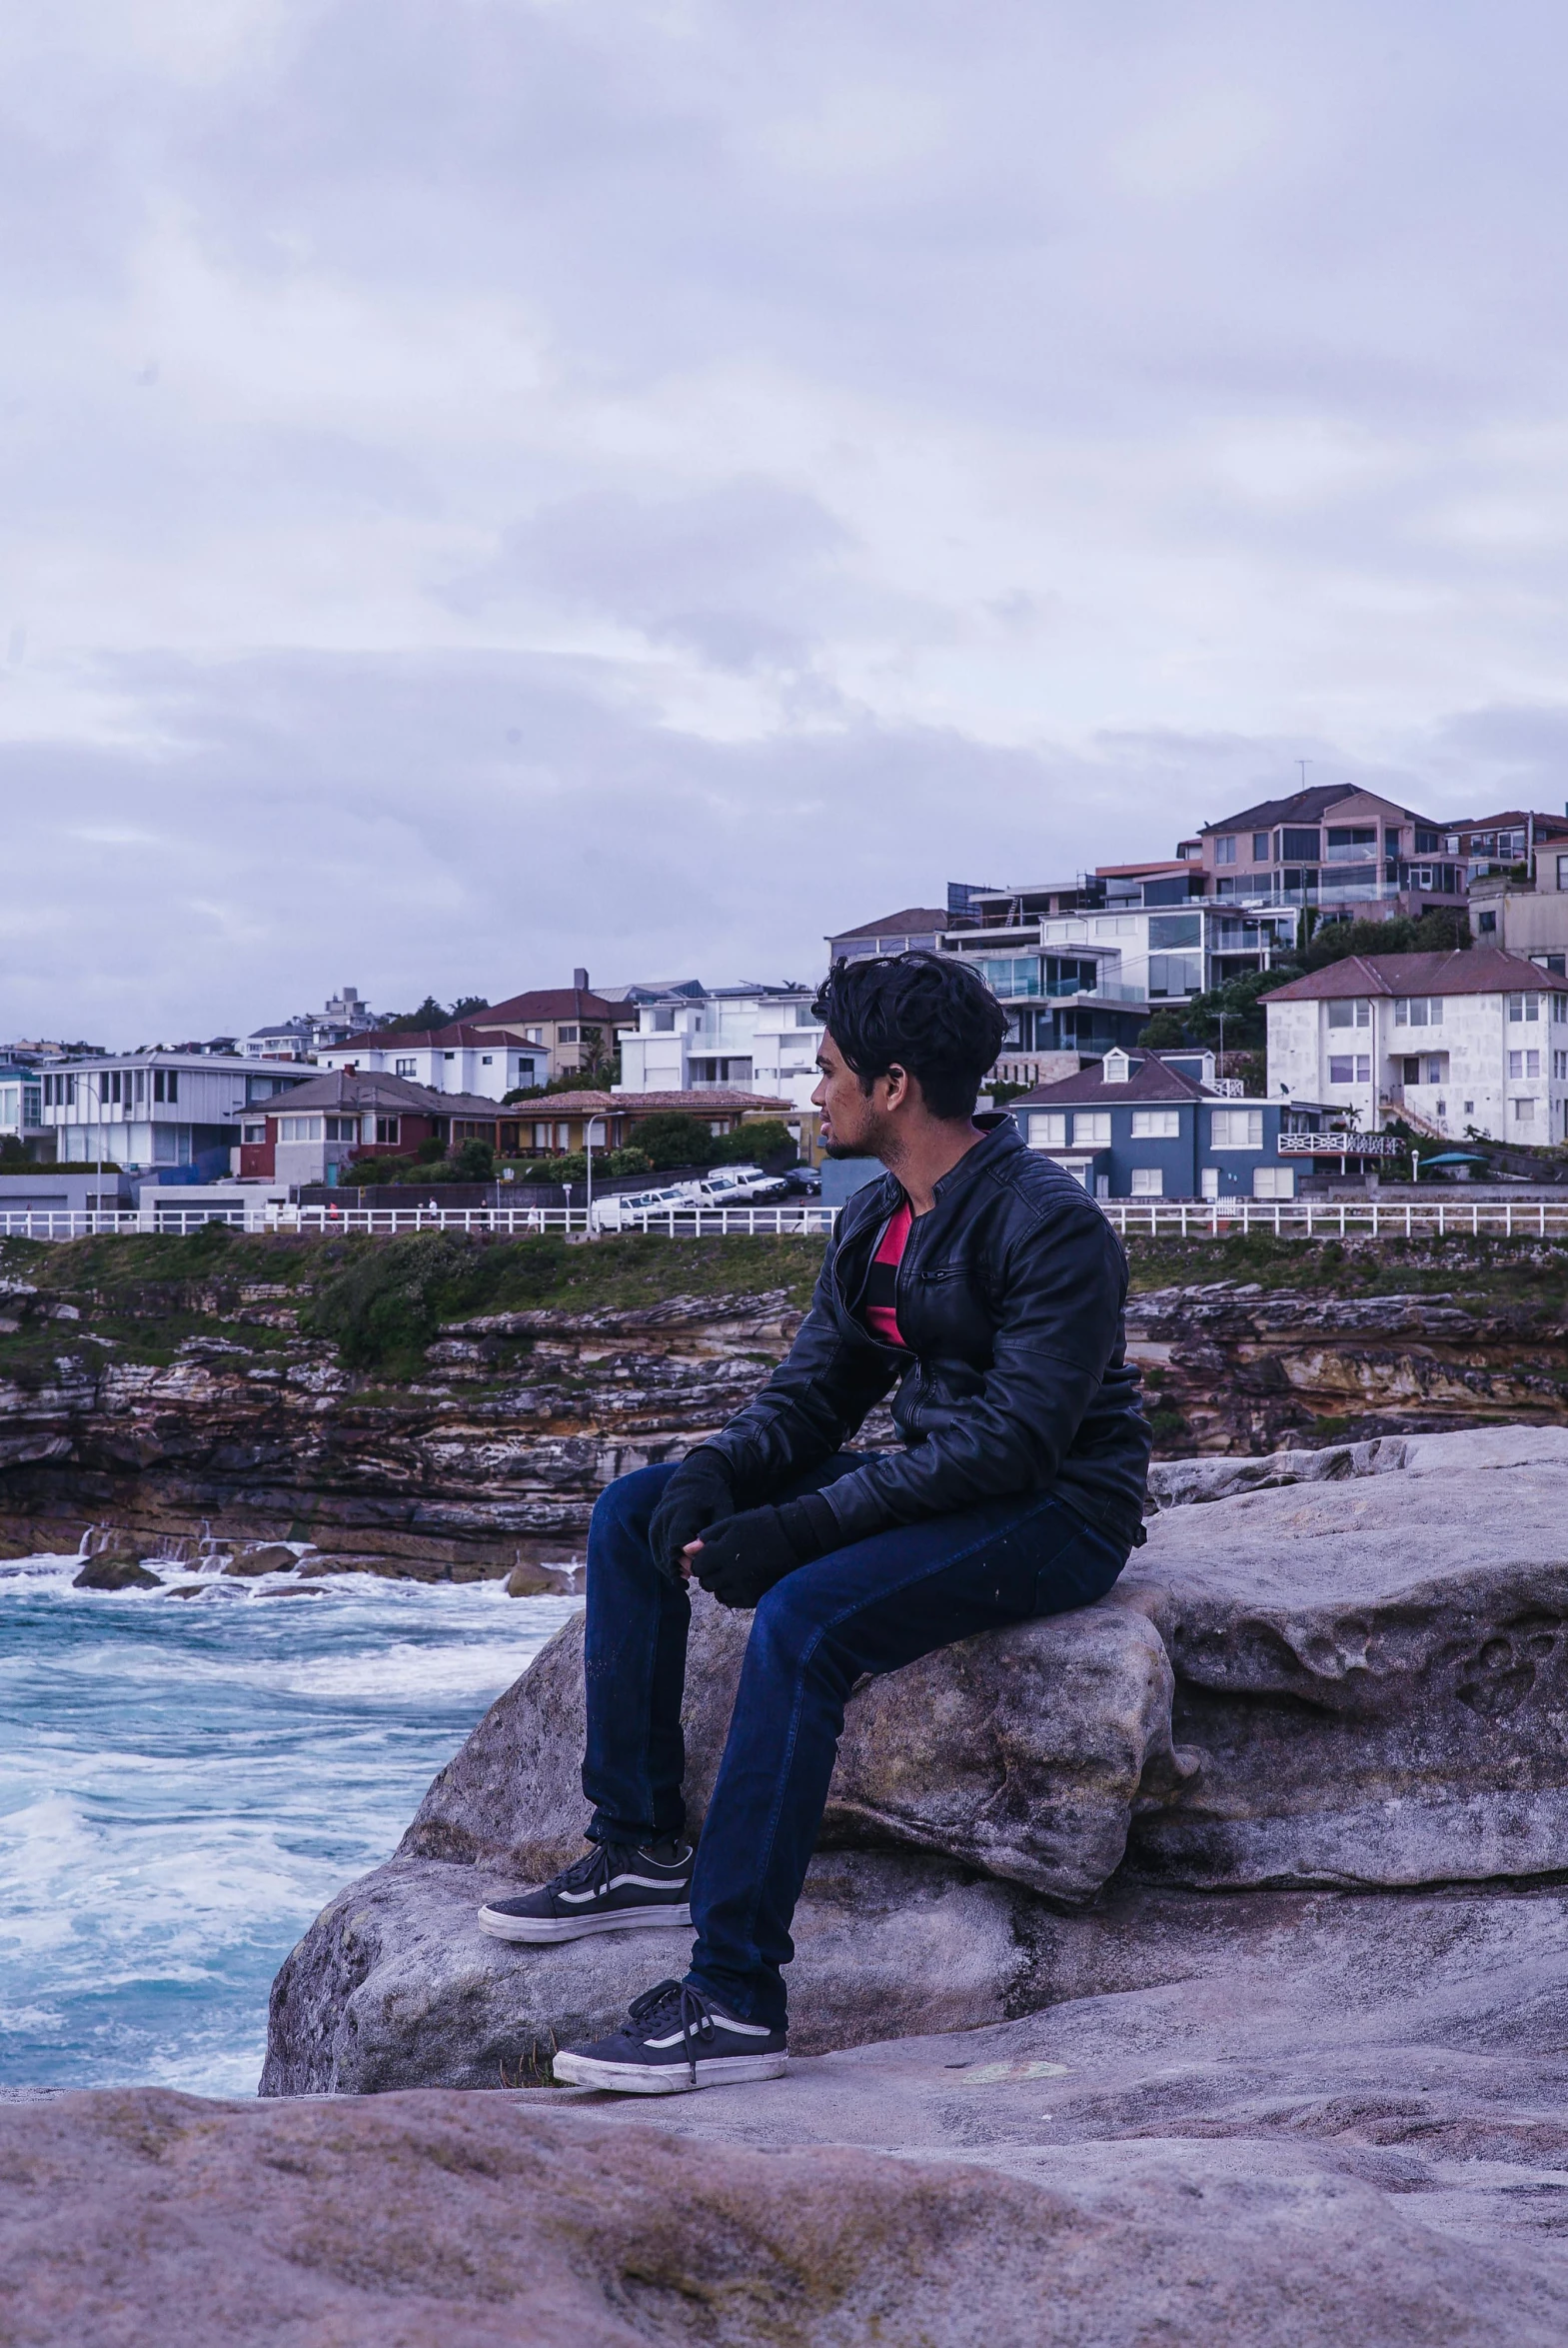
[(380, 1301)]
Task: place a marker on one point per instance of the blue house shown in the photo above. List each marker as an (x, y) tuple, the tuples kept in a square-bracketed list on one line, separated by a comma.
[(1133, 1125)]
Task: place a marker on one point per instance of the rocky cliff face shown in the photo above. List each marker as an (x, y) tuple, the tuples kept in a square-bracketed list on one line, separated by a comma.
[(230, 1399)]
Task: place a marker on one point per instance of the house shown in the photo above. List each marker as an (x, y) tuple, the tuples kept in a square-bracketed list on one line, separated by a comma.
[(350, 1114), (1518, 869), (757, 1040), (169, 1113), (469, 1056), (916, 928), (342, 1018), (21, 1110), (1135, 1127), (511, 1045), (1463, 1041), (1336, 848), (560, 1123)]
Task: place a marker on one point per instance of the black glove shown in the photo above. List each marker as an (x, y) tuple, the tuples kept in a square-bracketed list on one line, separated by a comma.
[(742, 1556), (697, 1495)]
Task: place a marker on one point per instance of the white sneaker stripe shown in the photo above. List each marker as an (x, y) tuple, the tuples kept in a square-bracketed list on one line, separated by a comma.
[(642, 1884), (745, 2029)]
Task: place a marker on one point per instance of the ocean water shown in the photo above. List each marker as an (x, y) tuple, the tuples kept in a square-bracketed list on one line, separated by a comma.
[(183, 1784)]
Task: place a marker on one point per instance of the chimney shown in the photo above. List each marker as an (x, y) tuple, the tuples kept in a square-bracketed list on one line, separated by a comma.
[(580, 980)]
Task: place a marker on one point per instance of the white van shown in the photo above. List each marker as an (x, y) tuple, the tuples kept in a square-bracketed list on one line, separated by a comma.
[(738, 1185), (622, 1210)]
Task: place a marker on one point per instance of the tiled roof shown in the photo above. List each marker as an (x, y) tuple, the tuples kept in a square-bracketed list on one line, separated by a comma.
[(1307, 807), (1150, 1079), (898, 924), (711, 1100), (1482, 970), (355, 1088)]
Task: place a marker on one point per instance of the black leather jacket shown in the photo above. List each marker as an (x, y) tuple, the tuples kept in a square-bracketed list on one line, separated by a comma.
[(1009, 1297)]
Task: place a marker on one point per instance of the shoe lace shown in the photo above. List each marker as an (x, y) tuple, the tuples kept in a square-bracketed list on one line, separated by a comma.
[(677, 2001), (593, 1869)]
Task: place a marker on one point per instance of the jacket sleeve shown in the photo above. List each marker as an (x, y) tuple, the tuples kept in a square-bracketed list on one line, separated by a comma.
[(815, 1399), (1061, 1293)]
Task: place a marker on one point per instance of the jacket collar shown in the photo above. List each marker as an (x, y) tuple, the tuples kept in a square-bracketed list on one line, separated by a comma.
[(1001, 1140)]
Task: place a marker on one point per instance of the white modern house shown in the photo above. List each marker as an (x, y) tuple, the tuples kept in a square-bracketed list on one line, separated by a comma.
[(21, 1107), (1459, 1040), (464, 1057), (761, 1039), (146, 1110)]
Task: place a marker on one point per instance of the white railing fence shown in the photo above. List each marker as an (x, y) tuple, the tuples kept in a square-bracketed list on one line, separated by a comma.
[(1151, 1218)]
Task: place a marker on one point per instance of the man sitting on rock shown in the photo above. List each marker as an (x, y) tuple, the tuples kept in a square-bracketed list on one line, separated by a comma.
[(978, 1279)]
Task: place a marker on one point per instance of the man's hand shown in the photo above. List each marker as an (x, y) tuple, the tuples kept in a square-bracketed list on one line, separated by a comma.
[(697, 1495), (739, 1559)]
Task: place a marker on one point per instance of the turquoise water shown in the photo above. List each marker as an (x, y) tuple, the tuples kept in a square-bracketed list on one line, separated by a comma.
[(183, 1784)]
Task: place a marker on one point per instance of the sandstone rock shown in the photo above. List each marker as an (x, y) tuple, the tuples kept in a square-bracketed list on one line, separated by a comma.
[(394, 1985), (115, 1570), (1022, 1753), (262, 1558), (1274, 2120), (531, 1581), (1375, 1671)]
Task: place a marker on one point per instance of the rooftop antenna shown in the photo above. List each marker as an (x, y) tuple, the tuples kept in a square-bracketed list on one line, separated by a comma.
[(1304, 764)]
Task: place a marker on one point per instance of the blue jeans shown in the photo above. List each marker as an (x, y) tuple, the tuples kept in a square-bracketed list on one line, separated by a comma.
[(871, 1606)]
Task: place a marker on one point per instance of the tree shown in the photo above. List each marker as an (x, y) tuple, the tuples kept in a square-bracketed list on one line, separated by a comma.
[(431, 1014), (1166, 1032), (673, 1139), (1237, 1001), (767, 1142), (1429, 933), (466, 1005)]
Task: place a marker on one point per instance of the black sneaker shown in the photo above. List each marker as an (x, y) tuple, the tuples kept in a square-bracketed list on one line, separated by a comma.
[(612, 1888), (673, 2040)]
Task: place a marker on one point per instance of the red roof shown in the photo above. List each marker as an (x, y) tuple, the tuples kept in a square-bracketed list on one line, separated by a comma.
[(1482, 970)]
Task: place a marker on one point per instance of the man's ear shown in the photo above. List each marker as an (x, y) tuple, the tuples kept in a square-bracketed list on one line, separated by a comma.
[(898, 1086)]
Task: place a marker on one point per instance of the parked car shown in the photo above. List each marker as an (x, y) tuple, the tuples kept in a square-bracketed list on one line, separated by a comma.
[(803, 1182), (622, 1210), (738, 1185)]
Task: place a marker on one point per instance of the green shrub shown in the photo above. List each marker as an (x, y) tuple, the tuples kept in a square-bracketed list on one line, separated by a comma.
[(673, 1139), (766, 1138), (384, 1307)]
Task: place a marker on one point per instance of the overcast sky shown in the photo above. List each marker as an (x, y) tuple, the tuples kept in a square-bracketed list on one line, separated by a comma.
[(492, 485)]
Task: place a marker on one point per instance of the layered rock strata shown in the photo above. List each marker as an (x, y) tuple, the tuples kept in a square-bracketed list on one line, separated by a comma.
[(493, 1453)]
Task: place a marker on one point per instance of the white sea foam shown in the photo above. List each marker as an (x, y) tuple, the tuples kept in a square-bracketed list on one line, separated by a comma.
[(184, 1786)]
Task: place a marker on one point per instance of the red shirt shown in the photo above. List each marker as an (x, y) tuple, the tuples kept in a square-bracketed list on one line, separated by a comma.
[(882, 1281)]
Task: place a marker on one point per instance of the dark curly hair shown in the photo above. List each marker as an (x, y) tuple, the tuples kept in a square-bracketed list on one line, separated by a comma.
[(920, 1012)]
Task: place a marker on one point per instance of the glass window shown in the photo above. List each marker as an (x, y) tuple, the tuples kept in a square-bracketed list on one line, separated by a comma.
[(1091, 1130), (1427, 841), (563, 1036), (172, 1089), (389, 1129), (253, 1133), (343, 1128), (1260, 847), (299, 1128), (1348, 844), (1172, 930), (1156, 1124), (1350, 1015), (1298, 846), (1047, 1129), (1523, 1008), (1273, 1181), (1149, 1181), (1524, 1109), (1236, 1129), (1225, 850), (404, 1068)]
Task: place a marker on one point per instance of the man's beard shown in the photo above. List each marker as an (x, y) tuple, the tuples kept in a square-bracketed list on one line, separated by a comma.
[(845, 1150)]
